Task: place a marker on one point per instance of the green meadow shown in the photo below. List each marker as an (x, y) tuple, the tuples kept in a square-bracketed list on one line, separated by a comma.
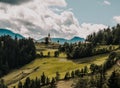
[(50, 65)]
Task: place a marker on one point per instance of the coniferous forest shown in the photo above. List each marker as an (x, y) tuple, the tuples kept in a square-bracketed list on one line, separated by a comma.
[(107, 36), (15, 53)]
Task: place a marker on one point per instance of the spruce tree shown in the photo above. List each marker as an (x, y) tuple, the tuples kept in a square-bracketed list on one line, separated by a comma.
[(43, 79), (113, 81), (53, 83), (67, 76), (57, 76), (72, 74)]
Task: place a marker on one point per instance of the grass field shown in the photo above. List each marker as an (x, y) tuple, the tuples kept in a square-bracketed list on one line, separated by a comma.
[(113, 47), (50, 66)]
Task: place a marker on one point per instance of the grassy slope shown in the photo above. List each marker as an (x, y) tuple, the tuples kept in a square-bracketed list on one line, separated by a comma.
[(107, 46), (115, 67), (51, 65), (70, 83)]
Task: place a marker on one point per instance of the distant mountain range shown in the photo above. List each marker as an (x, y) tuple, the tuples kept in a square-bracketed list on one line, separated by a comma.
[(10, 33), (62, 40)]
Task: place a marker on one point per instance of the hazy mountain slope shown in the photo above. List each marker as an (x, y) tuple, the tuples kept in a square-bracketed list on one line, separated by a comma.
[(10, 33)]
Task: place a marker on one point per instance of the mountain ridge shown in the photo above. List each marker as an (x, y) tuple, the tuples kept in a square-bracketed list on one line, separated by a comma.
[(10, 33), (63, 40)]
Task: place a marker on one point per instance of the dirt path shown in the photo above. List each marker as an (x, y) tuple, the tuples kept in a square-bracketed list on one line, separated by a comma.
[(19, 75), (66, 84)]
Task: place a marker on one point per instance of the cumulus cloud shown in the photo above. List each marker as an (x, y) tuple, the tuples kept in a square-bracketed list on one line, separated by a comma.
[(89, 28), (107, 2), (116, 19), (60, 3), (14, 2), (37, 18)]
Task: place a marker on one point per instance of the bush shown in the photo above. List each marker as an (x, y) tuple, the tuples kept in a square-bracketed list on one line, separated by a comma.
[(56, 54)]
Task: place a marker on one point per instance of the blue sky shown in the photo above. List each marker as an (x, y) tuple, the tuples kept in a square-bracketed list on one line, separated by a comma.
[(95, 11), (60, 18)]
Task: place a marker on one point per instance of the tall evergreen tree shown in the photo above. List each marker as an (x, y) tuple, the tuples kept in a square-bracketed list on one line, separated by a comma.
[(113, 81), (43, 79)]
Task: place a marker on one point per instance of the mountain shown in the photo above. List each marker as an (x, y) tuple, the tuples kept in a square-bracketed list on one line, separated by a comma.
[(76, 39), (10, 33), (62, 40)]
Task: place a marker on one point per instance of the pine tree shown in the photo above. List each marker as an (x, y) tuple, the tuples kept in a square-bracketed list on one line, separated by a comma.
[(53, 83), (113, 81), (72, 74), (37, 83), (43, 79), (77, 72), (27, 83), (2, 84), (56, 54), (57, 76), (41, 54), (67, 76), (48, 54), (85, 69), (47, 80)]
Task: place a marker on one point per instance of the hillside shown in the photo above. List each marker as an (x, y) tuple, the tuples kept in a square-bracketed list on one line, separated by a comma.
[(50, 66), (10, 33)]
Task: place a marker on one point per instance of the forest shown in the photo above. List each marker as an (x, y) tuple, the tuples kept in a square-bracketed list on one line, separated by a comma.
[(106, 37), (109, 36), (15, 53)]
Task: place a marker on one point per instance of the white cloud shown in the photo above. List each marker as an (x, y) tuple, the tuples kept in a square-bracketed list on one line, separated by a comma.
[(88, 28), (60, 3), (116, 19), (57, 10), (107, 2), (36, 19)]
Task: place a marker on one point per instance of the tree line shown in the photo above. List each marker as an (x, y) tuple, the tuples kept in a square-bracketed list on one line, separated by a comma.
[(41, 54), (106, 37), (15, 53), (37, 83), (100, 81), (98, 78), (81, 50)]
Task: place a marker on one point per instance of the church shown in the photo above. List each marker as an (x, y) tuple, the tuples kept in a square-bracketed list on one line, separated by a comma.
[(47, 39)]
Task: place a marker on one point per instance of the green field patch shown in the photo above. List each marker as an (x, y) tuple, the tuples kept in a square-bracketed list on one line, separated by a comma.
[(50, 66)]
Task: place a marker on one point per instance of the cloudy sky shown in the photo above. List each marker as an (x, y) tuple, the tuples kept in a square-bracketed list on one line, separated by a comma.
[(61, 18)]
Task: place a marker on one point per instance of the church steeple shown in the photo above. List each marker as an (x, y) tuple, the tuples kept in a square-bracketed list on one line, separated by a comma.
[(48, 34), (49, 37)]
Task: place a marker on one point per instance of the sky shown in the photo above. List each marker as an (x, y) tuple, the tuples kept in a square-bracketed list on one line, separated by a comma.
[(95, 11), (60, 18)]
